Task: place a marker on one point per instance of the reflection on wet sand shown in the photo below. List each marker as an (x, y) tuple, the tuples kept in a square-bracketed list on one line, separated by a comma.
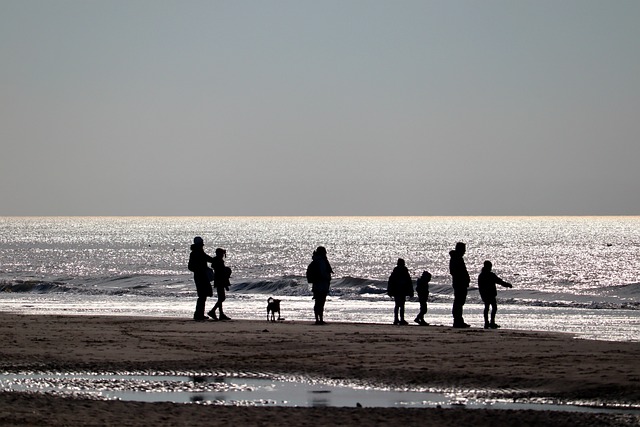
[(267, 390)]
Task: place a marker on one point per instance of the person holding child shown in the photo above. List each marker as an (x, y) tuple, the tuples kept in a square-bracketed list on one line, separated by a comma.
[(198, 260)]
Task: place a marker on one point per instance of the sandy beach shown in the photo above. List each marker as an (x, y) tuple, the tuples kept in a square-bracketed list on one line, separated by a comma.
[(524, 363)]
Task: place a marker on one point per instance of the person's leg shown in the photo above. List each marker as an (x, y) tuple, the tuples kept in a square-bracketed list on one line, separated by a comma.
[(402, 310), (199, 313), (321, 300), (218, 304), (494, 309), (456, 310), (396, 311), (463, 300), (460, 297), (316, 307), (486, 315), (212, 312), (222, 296), (423, 310)]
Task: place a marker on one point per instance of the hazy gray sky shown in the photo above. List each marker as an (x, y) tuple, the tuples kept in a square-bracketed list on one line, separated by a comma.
[(366, 107)]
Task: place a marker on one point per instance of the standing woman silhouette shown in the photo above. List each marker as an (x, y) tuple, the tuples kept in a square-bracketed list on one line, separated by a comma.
[(220, 282), (319, 274)]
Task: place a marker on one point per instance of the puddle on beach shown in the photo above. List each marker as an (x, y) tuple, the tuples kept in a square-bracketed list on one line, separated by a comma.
[(261, 390)]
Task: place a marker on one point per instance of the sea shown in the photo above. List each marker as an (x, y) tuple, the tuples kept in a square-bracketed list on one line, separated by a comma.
[(575, 275)]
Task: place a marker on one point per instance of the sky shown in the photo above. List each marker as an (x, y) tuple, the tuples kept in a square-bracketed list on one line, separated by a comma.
[(348, 107)]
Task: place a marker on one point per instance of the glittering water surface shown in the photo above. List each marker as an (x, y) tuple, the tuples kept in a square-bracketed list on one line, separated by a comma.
[(572, 274), (545, 253), (271, 390)]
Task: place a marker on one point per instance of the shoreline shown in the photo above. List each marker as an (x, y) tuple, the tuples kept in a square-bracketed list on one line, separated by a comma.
[(597, 324), (525, 363)]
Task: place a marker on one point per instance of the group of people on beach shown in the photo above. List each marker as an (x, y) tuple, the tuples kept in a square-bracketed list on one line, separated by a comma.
[(203, 275), (400, 285)]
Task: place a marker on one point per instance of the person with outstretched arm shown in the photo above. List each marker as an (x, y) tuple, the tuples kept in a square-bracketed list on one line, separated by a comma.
[(487, 281)]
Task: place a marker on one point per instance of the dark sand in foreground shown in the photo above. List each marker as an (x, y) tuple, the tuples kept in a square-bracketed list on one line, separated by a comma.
[(552, 365)]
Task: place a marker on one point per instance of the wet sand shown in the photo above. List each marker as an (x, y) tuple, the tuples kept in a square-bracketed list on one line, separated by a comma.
[(520, 363)]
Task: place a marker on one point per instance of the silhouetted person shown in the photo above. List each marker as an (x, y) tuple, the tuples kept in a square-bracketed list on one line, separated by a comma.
[(400, 287), (487, 286), (460, 281), (220, 282), (422, 289), (319, 275), (198, 260)]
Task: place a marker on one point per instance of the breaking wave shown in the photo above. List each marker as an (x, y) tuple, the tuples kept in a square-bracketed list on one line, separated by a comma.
[(34, 286)]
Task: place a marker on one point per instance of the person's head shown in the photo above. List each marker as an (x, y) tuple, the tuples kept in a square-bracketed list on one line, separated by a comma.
[(461, 248), (426, 276), (322, 251), (221, 252), (197, 241), (488, 266), (401, 262)]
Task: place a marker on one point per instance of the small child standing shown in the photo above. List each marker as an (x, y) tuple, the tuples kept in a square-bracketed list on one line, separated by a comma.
[(422, 288)]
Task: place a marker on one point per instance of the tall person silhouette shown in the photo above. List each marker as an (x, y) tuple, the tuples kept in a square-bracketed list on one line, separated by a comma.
[(198, 260), (460, 281)]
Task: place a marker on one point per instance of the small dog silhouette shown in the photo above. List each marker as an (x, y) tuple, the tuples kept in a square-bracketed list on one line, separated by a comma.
[(273, 307)]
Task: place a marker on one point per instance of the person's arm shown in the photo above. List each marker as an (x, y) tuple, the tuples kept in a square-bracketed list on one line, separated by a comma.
[(410, 285), (502, 282)]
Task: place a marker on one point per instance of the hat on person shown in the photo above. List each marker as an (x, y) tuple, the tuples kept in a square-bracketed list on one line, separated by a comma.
[(198, 241), (220, 251)]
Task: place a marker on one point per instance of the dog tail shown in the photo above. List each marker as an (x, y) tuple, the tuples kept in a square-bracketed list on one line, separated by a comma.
[(270, 299)]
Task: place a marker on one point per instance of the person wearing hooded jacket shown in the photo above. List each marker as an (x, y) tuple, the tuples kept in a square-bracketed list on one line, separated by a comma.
[(198, 260), (487, 281), (460, 281), (422, 289), (400, 287)]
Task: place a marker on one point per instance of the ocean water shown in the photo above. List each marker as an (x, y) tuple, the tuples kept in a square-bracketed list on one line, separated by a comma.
[(579, 275)]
